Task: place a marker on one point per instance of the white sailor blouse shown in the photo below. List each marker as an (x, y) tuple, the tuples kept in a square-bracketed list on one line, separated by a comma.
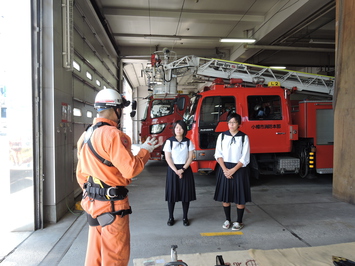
[(232, 148), (179, 150)]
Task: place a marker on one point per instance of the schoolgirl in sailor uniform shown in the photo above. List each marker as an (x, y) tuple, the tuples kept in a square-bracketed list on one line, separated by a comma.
[(232, 185), (180, 183)]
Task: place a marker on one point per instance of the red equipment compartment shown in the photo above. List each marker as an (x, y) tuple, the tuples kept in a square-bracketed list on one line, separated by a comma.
[(315, 120)]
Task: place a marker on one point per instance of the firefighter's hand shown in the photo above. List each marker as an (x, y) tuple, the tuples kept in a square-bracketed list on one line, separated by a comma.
[(150, 144)]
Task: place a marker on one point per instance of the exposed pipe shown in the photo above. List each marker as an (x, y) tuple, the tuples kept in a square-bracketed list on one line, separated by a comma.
[(68, 43), (288, 48), (38, 125)]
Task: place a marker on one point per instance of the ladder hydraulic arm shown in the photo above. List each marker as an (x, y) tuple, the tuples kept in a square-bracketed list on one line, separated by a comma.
[(217, 68)]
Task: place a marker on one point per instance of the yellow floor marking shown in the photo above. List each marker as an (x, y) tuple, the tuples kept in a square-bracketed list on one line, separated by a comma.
[(222, 233)]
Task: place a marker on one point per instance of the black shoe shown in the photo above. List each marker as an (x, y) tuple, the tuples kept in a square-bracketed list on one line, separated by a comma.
[(186, 222), (170, 222)]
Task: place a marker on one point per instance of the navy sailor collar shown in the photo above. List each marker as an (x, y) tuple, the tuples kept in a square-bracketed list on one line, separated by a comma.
[(174, 139), (239, 134)]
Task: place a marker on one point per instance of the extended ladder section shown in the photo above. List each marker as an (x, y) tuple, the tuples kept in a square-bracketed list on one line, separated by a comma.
[(305, 82), (254, 73)]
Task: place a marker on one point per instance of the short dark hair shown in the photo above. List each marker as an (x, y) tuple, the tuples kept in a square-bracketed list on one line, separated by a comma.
[(237, 117), (182, 124)]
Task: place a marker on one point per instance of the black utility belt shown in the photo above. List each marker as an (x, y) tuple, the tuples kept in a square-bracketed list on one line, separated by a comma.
[(105, 194), (107, 218)]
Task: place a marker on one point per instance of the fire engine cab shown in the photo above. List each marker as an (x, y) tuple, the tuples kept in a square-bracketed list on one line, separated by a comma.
[(160, 114), (286, 136)]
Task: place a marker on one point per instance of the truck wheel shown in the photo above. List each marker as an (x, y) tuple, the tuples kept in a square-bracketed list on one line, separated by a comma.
[(303, 164)]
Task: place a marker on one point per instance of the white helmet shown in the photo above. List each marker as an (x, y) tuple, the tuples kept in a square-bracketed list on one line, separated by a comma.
[(108, 98)]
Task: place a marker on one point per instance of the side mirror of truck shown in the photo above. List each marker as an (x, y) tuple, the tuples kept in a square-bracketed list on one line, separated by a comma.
[(134, 105), (180, 103)]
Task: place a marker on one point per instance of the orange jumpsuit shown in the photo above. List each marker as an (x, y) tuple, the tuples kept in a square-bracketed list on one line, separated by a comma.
[(109, 245)]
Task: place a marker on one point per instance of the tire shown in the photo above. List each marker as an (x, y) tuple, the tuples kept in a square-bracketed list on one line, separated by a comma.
[(303, 164)]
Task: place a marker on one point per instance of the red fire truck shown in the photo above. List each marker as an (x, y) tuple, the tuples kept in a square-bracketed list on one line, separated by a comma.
[(160, 114), (285, 136)]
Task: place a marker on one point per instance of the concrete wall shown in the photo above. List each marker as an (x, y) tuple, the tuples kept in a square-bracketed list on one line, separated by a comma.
[(344, 103)]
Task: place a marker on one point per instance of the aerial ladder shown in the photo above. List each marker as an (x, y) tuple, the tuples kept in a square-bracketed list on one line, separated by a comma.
[(162, 77)]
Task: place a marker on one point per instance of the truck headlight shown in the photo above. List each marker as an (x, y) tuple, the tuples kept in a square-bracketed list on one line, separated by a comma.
[(156, 129)]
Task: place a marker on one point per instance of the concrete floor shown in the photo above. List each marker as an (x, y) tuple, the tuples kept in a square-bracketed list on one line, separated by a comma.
[(285, 212)]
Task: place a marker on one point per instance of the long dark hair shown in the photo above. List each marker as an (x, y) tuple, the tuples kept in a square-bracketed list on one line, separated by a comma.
[(183, 125)]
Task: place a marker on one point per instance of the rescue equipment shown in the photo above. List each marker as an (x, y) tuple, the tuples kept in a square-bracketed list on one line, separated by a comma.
[(109, 98), (167, 73), (341, 261), (220, 260), (107, 218), (87, 139), (174, 260), (96, 189)]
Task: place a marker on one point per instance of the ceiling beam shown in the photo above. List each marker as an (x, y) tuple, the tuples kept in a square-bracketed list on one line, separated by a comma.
[(185, 14)]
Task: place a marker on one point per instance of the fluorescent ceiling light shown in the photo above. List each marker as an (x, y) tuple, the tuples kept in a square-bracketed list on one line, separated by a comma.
[(172, 38), (278, 67), (237, 40)]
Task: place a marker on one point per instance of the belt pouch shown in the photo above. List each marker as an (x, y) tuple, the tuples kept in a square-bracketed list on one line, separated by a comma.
[(106, 219), (92, 221)]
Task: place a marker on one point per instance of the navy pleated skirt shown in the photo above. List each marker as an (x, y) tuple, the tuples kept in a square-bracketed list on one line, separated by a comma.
[(237, 189), (177, 189)]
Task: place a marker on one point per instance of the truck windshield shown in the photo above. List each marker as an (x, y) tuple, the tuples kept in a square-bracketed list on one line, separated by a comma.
[(190, 112), (215, 109), (161, 107)]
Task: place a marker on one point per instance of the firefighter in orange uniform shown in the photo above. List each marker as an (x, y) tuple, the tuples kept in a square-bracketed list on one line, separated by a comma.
[(105, 167)]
